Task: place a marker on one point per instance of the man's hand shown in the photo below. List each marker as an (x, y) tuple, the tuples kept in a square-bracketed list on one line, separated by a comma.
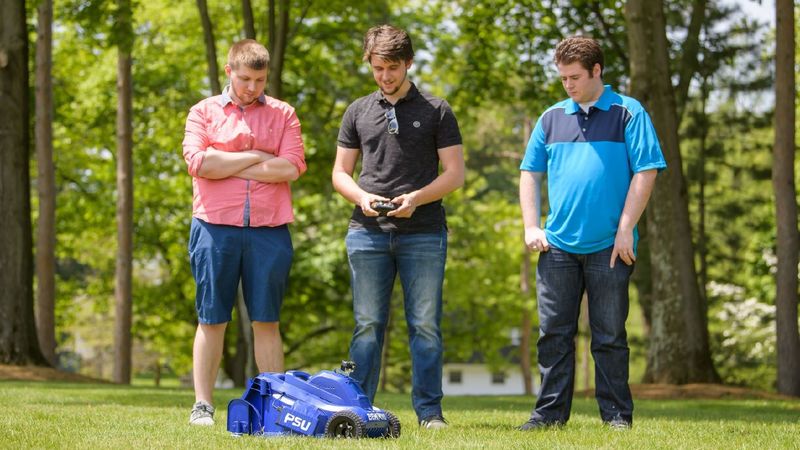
[(365, 202), (408, 204), (623, 247), (536, 240)]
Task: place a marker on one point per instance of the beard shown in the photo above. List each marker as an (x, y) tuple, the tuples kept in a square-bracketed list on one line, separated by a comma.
[(399, 85)]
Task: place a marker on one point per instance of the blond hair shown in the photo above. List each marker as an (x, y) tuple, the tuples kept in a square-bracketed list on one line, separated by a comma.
[(248, 53)]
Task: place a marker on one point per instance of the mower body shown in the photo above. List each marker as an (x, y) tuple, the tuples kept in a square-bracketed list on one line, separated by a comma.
[(329, 403)]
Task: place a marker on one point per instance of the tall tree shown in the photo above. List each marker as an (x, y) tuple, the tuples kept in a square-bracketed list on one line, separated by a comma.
[(211, 47), (249, 23), (526, 324), (18, 341), (788, 245), (679, 346), (45, 183), (279, 37), (124, 272)]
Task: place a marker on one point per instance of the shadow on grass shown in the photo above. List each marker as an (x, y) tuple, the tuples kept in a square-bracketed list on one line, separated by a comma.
[(65, 393), (698, 411), (753, 411)]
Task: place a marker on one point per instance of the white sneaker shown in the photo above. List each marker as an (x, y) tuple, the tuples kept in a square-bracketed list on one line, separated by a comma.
[(202, 414), (433, 423)]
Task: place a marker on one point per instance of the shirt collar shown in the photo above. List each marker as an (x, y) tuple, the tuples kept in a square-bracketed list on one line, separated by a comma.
[(604, 102), (412, 93), (225, 97)]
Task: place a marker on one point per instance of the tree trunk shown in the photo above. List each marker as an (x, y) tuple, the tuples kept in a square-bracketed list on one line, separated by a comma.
[(526, 325), (249, 25), (271, 27), (241, 364), (211, 48), (525, 290), (679, 350), (246, 330), (785, 203), (45, 182), (643, 278), (18, 341), (123, 275), (701, 201), (689, 61), (278, 48), (157, 373), (234, 363)]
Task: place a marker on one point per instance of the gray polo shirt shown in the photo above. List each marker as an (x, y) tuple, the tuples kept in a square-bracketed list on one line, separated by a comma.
[(395, 164)]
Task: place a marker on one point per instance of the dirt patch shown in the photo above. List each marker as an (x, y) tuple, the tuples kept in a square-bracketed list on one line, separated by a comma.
[(38, 373), (695, 391)]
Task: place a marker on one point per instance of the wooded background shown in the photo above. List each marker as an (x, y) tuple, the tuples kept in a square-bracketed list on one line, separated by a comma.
[(94, 98)]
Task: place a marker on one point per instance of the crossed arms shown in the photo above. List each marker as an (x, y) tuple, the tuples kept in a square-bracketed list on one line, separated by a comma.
[(248, 164)]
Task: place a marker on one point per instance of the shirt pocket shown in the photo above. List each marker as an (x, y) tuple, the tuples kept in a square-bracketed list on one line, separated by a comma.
[(230, 134), (268, 138)]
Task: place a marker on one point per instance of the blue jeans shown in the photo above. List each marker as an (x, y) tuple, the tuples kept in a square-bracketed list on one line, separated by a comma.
[(376, 258), (561, 278)]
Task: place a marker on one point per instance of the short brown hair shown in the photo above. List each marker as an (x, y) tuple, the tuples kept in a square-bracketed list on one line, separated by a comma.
[(387, 42), (249, 53), (582, 49)]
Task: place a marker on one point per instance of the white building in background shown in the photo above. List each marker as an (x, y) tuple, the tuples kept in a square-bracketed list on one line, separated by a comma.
[(477, 379), (474, 377)]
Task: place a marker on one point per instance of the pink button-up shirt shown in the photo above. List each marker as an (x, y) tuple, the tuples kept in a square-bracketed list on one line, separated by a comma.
[(269, 125)]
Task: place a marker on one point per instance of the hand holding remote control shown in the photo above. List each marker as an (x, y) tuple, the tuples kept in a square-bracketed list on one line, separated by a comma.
[(383, 207)]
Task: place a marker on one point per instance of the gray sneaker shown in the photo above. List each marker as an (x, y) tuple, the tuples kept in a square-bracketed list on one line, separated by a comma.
[(433, 423), (618, 424), (202, 414)]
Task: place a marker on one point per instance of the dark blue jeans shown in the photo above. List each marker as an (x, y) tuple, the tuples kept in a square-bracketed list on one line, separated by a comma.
[(561, 278), (376, 258)]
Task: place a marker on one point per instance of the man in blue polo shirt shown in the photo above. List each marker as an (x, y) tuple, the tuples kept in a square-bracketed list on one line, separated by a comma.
[(601, 156)]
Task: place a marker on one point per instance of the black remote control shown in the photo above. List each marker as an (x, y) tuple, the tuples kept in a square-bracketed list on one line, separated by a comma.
[(383, 207)]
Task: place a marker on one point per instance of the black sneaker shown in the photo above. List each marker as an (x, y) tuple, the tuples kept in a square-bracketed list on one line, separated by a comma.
[(433, 423), (535, 424)]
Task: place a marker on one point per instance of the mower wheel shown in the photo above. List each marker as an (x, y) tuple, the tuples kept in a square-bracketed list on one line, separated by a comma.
[(393, 430), (345, 424)]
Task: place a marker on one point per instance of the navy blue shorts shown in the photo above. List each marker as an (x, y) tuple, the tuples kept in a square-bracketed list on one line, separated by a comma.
[(221, 255)]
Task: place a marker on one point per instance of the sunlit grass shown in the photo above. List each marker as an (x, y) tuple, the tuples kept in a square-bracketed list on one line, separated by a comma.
[(63, 415)]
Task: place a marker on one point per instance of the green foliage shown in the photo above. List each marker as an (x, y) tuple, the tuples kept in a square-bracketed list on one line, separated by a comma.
[(483, 303), (491, 60), (727, 146)]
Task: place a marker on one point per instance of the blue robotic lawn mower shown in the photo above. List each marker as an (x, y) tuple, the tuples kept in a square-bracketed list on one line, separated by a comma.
[(328, 404)]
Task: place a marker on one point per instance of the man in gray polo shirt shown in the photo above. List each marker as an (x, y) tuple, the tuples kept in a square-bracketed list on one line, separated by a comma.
[(401, 136)]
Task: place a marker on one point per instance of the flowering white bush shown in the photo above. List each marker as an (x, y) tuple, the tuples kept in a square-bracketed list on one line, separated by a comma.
[(743, 337)]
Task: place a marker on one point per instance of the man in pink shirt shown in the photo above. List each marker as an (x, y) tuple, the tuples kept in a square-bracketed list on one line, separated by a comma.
[(242, 149)]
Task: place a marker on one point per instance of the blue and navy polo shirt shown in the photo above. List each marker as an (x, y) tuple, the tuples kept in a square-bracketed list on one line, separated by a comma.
[(590, 160)]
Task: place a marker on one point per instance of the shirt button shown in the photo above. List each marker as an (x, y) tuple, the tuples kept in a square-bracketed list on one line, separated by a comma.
[(584, 129), (585, 118)]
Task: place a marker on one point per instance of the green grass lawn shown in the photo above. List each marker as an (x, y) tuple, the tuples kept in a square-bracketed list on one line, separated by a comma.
[(88, 416)]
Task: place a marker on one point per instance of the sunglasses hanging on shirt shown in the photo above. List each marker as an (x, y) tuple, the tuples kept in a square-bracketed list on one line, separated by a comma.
[(393, 125)]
